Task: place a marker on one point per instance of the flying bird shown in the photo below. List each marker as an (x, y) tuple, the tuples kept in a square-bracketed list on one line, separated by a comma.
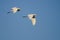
[(32, 17), (14, 10)]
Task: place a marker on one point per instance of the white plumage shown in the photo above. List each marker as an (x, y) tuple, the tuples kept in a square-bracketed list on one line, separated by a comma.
[(32, 18), (14, 10)]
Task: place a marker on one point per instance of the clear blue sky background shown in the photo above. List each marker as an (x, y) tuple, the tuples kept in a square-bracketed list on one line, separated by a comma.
[(14, 27)]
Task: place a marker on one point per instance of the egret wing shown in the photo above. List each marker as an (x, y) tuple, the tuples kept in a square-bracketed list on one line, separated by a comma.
[(33, 21), (14, 10)]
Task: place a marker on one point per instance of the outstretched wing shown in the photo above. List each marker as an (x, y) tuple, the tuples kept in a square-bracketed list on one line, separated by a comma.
[(33, 21), (14, 10)]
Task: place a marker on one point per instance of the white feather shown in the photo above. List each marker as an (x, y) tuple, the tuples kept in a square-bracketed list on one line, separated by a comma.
[(33, 20), (14, 9)]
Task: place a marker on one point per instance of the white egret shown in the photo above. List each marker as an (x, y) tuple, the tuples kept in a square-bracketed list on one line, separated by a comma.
[(14, 10), (32, 17)]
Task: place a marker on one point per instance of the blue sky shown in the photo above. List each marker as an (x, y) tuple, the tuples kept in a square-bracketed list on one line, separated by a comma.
[(14, 27)]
